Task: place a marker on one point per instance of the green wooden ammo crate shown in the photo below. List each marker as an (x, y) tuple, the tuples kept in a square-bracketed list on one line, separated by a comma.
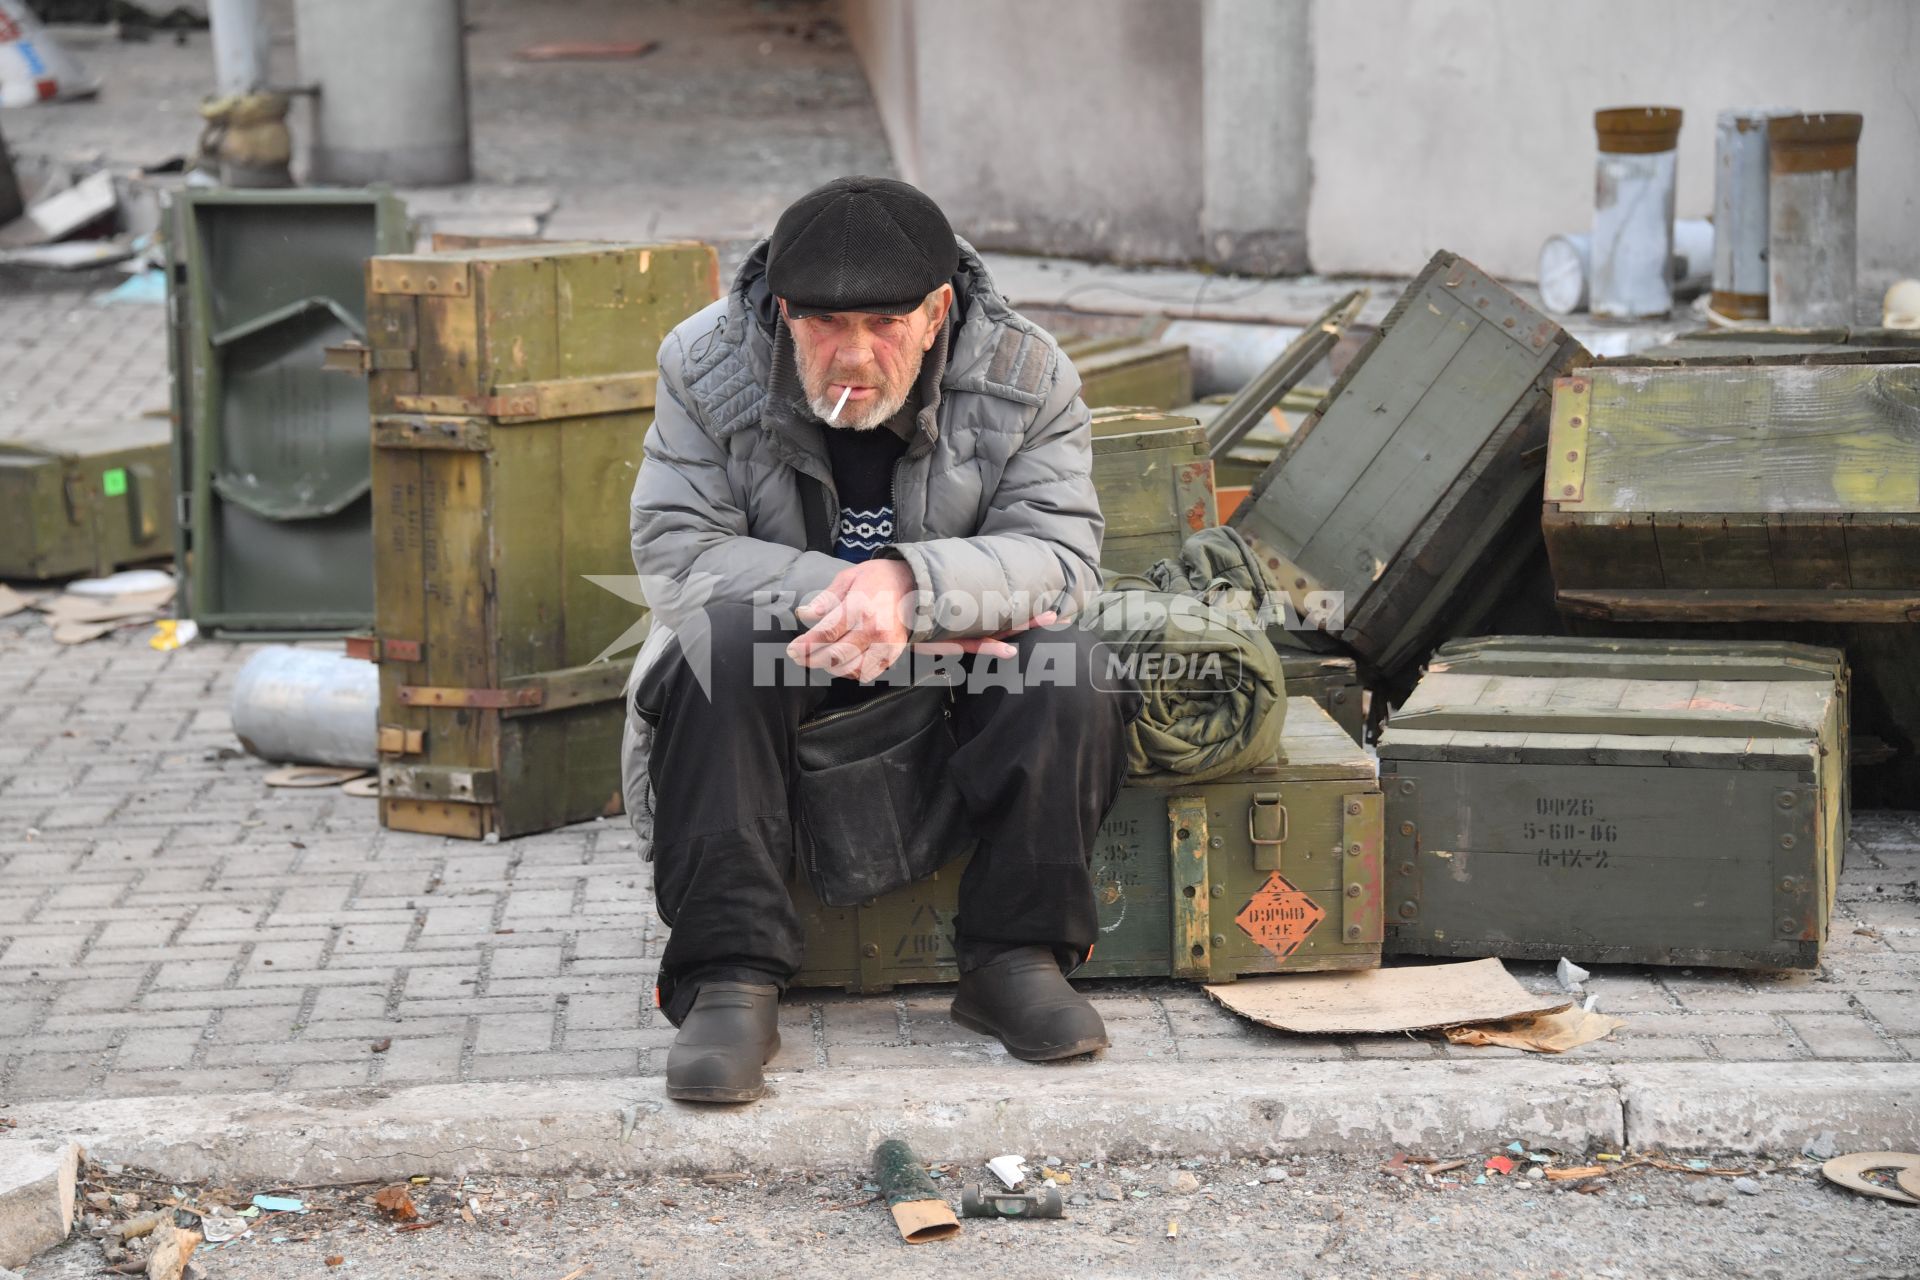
[(1329, 680), (1123, 371), (1409, 492), (85, 499), (1276, 870), (511, 391), (1620, 801), (1772, 346), (1736, 493), (1155, 484)]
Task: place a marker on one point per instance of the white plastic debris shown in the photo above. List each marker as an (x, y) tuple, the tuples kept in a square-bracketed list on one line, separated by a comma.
[(1592, 1003), (32, 67), (123, 583), (1570, 975), (1011, 1170)]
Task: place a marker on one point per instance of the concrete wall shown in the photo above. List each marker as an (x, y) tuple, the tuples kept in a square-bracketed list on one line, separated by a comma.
[(1256, 104), (882, 35), (1085, 127), (1468, 124), (1362, 134), (1067, 127)]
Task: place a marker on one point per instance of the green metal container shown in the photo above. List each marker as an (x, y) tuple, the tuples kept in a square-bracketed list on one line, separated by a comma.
[(1155, 484), (274, 522), (1620, 801), (85, 500), (1276, 870), (511, 389)]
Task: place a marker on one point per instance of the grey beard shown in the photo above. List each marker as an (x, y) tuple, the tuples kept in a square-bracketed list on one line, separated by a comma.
[(875, 415)]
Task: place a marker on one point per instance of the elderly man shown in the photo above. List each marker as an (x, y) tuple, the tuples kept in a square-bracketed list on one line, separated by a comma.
[(865, 427)]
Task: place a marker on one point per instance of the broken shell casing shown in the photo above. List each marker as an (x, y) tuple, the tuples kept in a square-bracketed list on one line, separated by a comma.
[(918, 1209)]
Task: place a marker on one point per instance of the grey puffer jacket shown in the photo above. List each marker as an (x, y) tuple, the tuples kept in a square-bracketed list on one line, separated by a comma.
[(994, 499)]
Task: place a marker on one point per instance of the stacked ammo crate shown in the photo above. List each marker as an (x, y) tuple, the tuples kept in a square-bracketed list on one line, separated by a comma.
[(1674, 789), (1275, 870), (511, 388)]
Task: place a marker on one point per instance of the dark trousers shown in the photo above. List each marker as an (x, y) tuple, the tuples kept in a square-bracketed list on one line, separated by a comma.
[(1038, 766)]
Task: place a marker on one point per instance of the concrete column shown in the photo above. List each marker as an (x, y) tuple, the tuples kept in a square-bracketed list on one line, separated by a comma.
[(1256, 104), (393, 90), (240, 45)]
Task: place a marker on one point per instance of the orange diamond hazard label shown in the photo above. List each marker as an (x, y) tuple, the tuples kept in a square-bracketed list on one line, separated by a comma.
[(1279, 917)]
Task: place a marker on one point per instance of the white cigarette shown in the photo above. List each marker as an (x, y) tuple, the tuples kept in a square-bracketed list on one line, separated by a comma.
[(841, 403)]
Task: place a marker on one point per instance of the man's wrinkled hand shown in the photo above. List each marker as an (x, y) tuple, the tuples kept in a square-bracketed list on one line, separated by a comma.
[(858, 625)]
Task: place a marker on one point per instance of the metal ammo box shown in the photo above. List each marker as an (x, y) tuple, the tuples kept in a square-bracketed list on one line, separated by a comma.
[(274, 522), (1155, 484), (1276, 870), (511, 388), (85, 500), (1622, 801)]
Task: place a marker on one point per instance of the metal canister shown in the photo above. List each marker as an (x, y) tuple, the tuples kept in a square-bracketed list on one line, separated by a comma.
[(1566, 263), (1740, 212), (1633, 212), (1812, 219), (308, 706)]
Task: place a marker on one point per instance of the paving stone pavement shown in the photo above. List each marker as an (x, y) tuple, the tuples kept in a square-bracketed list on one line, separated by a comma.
[(169, 924)]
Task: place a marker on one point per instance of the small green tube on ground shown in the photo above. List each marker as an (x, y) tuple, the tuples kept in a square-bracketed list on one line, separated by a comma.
[(919, 1210)]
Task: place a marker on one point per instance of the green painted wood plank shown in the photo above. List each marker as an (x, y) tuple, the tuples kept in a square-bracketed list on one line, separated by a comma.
[(1755, 440), (1411, 474), (1326, 461)]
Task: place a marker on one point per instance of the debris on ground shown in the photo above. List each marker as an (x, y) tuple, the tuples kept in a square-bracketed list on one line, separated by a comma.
[(1541, 1033), (396, 1203), (918, 1209), (587, 50), (311, 775), (1874, 1173), (977, 1201), (1570, 976), (171, 1248), (1382, 1001), (79, 615), (33, 66), (1011, 1170)]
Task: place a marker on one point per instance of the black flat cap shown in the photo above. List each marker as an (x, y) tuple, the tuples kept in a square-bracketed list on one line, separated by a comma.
[(860, 244)]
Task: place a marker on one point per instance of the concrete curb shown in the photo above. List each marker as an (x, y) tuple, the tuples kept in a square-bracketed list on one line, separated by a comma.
[(1086, 1111)]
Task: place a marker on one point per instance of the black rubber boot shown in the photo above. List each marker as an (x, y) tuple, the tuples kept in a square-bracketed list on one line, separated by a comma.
[(1022, 997), (724, 1041)]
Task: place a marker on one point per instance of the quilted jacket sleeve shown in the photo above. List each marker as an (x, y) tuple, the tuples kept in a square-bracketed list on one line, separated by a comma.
[(688, 524), (1039, 546)]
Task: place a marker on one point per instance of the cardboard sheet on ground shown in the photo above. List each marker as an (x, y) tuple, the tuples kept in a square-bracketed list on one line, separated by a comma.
[(1381, 1001), (1543, 1032), (79, 618)]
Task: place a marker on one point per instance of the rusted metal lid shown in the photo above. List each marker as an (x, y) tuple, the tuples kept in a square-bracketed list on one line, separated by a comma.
[(1815, 142), (1637, 130)]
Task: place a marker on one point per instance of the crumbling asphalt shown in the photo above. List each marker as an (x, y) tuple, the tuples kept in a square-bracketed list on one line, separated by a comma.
[(1284, 1216)]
